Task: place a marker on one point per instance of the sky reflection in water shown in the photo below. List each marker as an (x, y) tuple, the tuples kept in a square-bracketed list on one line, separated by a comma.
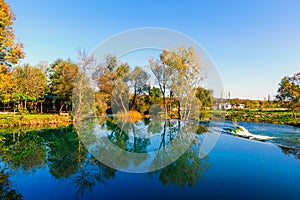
[(53, 164)]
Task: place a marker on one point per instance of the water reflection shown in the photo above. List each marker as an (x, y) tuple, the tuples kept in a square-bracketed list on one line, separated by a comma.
[(186, 171), (6, 187), (290, 151), (136, 147), (60, 153)]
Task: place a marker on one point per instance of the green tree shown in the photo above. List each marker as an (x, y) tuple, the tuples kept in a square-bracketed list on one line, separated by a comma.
[(138, 81), (30, 85), (289, 92), (204, 96), (62, 79), (155, 95)]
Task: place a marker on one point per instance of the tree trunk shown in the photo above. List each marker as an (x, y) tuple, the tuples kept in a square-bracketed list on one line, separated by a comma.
[(19, 105), (162, 144), (41, 106), (294, 116), (179, 115), (165, 103), (61, 107), (170, 108), (133, 100)]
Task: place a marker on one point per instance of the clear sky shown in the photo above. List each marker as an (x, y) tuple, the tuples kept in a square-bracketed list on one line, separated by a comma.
[(253, 43)]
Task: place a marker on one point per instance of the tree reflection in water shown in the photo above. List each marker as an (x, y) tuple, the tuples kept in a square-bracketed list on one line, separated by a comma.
[(6, 189), (61, 150), (187, 170), (68, 160)]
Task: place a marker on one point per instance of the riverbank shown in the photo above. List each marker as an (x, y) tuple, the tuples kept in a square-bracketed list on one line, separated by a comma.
[(10, 120), (274, 117)]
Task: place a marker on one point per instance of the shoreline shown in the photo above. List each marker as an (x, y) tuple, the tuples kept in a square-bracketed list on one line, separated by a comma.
[(8, 120), (272, 117)]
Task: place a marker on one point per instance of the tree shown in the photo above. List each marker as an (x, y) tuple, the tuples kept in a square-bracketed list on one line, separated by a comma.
[(204, 96), (109, 72), (30, 85), (83, 98), (108, 75), (179, 71), (6, 86), (162, 73), (62, 79), (138, 81), (155, 95), (10, 52), (289, 92)]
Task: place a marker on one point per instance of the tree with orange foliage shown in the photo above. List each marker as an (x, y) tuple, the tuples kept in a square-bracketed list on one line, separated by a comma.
[(289, 92), (10, 51)]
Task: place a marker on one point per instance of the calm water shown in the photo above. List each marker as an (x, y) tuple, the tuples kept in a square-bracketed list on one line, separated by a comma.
[(54, 164)]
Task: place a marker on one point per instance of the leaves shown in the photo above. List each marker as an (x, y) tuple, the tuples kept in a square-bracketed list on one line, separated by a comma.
[(30, 83), (10, 52), (289, 92), (62, 79), (289, 89)]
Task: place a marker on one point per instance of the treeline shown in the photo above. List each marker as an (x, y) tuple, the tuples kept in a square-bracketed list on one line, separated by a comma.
[(38, 88), (49, 88), (257, 104), (177, 90), (177, 76), (44, 88)]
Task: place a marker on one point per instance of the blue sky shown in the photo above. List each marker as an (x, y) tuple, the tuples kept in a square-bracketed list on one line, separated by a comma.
[(253, 43)]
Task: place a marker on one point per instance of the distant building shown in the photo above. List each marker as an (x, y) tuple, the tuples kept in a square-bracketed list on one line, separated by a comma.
[(238, 106), (225, 106)]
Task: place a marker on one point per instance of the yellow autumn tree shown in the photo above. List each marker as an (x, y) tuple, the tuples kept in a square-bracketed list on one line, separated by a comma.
[(10, 51)]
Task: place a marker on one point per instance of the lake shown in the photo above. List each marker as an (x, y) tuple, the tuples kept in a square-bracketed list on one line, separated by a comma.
[(59, 163)]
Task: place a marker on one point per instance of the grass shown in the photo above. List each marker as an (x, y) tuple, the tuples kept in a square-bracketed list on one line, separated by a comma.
[(9, 120), (276, 117), (131, 116)]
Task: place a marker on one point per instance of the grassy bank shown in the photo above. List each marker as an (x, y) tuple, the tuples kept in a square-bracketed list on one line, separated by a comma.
[(275, 117), (9, 120)]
